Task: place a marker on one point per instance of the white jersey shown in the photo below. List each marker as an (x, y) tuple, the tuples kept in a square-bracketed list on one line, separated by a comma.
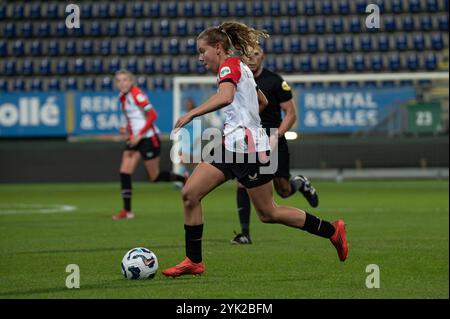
[(139, 113), (242, 129)]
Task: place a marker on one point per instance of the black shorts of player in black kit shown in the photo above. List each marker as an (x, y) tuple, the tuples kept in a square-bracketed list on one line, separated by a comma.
[(246, 168), (148, 147)]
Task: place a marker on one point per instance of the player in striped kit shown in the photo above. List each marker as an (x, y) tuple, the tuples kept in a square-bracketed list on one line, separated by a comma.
[(143, 140)]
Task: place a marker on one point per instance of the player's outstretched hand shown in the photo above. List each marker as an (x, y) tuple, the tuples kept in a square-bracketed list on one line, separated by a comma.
[(183, 120)]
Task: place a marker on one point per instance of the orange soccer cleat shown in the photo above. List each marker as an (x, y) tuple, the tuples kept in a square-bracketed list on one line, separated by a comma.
[(339, 239), (123, 214), (186, 267)]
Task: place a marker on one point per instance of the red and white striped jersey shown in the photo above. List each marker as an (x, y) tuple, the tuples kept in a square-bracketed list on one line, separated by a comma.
[(242, 129), (139, 113)]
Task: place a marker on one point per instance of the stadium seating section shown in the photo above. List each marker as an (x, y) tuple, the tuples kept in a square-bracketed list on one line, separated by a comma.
[(157, 39)]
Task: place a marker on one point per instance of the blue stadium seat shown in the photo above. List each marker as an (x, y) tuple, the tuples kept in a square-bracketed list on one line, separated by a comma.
[(257, 8), (268, 25), (36, 48), (120, 10), (414, 6), (323, 65), (397, 6), (285, 26), (361, 6), (155, 9), (18, 11), (3, 85), (199, 26), (240, 9), (52, 11), (79, 32), (142, 82), (174, 46), (107, 83), (19, 85), (383, 42), (182, 28), (347, 43), (184, 66), (317, 85), (149, 65), (288, 64), (271, 64), (189, 9), (137, 10), (341, 63), (79, 66), (355, 25), (62, 67), (206, 9), (302, 25), (113, 28), (147, 28), (10, 30), (223, 9), (432, 6), (45, 67), (105, 47), (358, 63), (35, 11), (157, 46), (319, 25), (335, 85), (139, 47), (53, 48), (89, 84), (122, 47), (309, 8), (394, 62), (305, 64), (401, 42), (130, 28), (278, 45), (295, 45), (95, 29), (327, 7), (344, 7), (312, 45), (18, 48), (86, 10), (389, 23), (114, 65), (97, 66), (2, 11), (200, 68), (443, 22), (159, 83), (292, 8), (437, 41), (413, 61), (71, 84), (406, 83), (338, 25), (408, 23), (376, 62), (53, 84), (103, 10), (426, 23), (3, 48), (366, 43), (275, 8), (191, 46), (172, 9), (430, 61), (87, 47), (61, 30), (263, 44), (164, 27), (27, 29), (27, 67), (132, 65), (419, 41)]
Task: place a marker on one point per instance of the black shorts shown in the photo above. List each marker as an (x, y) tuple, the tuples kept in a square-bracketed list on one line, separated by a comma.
[(283, 159), (149, 147), (248, 174)]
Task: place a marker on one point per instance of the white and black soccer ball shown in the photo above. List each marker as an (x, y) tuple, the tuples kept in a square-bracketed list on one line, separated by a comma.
[(139, 263)]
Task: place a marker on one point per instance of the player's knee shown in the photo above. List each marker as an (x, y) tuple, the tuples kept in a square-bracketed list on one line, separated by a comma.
[(266, 216), (190, 198), (283, 191)]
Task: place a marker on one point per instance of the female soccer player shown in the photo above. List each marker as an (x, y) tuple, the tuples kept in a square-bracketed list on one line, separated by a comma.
[(143, 139), (237, 91)]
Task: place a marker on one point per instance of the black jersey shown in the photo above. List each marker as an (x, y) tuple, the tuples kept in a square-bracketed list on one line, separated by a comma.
[(276, 91)]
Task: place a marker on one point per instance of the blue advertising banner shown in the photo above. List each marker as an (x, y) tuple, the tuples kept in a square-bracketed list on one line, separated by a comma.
[(348, 109), (32, 114)]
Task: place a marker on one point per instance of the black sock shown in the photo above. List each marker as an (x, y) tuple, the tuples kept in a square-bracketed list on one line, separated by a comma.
[(243, 204), (318, 226), (169, 177), (193, 238), (125, 183)]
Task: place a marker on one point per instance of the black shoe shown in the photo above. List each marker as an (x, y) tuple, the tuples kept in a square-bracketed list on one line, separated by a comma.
[(241, 239), (308, 191)]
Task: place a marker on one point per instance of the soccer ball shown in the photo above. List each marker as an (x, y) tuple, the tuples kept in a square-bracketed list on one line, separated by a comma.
[(139, 263)]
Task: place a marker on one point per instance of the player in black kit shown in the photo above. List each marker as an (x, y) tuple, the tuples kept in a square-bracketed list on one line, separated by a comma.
[(279, 95)]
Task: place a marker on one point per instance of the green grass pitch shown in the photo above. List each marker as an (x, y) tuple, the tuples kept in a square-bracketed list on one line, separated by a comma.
[(401, 226)]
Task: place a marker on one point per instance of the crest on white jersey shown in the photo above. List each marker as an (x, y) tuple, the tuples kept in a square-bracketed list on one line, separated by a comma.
[(140, 97), (224, 71)]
